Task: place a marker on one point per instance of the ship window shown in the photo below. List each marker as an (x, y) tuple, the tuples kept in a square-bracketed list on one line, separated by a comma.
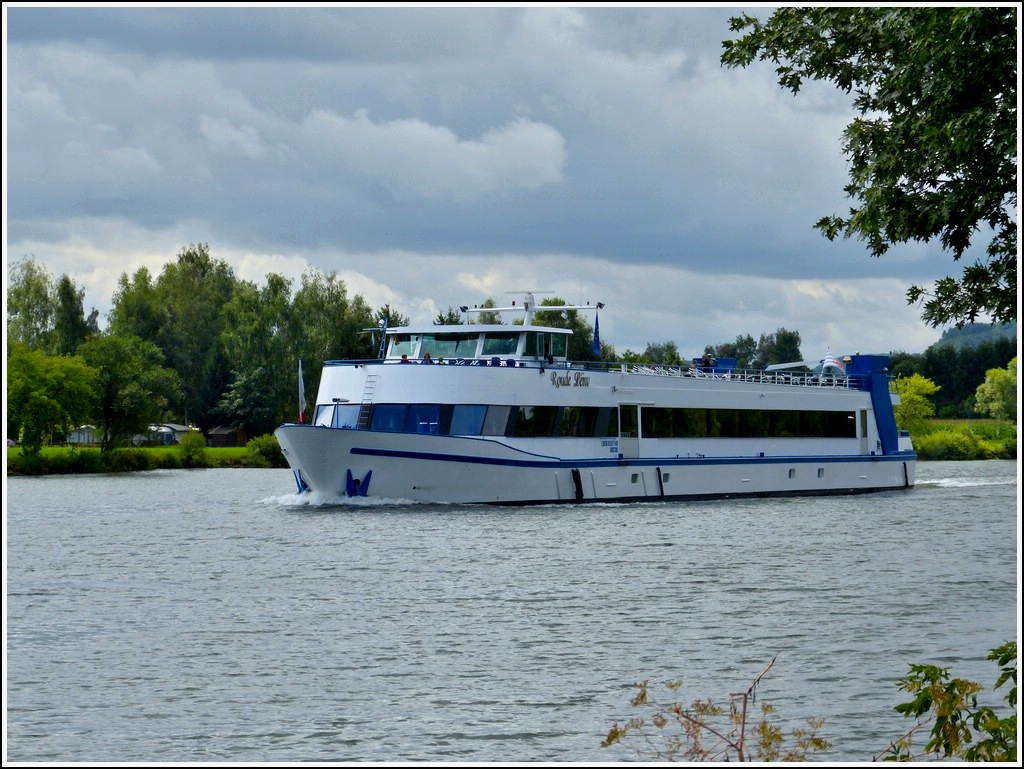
[(449, 345), (346, 416), (656, 422), (569, 421), (324, 415), (423, 419), (467, 420), (535, 421), (444, 418), (534, 344), (606, 423), (758, 424), (628, 421), (689, 423), (389, 418), (496, 421), (403, 344), (587, 422), (821, 472), (559, 345), (501, 343), (727, 423), (792, 472), (786, 424), (634, 477)]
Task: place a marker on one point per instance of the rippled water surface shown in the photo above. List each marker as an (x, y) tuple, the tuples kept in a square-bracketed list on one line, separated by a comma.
[(212, 616)]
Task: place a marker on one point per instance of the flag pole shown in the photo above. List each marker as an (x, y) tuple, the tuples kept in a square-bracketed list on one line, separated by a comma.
[(302, 396)]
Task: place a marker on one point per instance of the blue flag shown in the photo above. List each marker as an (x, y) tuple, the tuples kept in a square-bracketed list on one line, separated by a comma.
[(596, 347)]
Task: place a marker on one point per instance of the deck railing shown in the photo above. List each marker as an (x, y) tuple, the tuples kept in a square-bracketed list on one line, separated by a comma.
[(804, 379), (798, 378)]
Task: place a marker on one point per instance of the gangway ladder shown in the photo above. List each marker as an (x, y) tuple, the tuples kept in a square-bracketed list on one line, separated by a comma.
[(364, 407)]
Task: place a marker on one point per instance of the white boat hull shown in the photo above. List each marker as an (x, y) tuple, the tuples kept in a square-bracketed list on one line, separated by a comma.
[(449, 469)]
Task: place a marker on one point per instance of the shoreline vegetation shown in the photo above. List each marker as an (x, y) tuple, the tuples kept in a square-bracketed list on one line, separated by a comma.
[(934, 439), (261, 452)]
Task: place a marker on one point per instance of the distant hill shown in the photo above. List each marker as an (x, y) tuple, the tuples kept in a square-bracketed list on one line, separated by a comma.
[(973, 334)]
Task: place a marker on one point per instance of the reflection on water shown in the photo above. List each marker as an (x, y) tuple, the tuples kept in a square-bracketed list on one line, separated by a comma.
[(214, 616)]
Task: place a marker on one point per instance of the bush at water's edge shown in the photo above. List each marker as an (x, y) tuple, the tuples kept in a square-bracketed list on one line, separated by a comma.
[(965, 439), (263, 451)]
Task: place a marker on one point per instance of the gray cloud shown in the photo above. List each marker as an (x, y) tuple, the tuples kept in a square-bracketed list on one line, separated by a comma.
[(609, 138)]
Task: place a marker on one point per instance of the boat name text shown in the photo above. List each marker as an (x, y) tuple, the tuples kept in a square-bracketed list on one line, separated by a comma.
[(577, 379)]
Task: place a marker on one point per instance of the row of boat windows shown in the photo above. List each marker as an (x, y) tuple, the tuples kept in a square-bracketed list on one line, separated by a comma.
[(591, 421), (746, 423), (464, 345)]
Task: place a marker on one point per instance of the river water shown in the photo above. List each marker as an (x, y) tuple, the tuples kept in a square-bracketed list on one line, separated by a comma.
[(210, 615)]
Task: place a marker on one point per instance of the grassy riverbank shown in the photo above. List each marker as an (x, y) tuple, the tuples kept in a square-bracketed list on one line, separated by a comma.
[(65, 460), (936, 439), (965, 439)]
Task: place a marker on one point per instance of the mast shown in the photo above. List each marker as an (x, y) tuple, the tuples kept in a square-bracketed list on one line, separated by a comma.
[(529, 306)]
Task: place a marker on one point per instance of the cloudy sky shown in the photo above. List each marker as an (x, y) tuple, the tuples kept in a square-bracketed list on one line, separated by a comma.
[(434, 157)]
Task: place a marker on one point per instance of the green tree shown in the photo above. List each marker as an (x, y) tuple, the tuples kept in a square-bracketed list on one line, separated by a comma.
[(391, 315), (903, 364), (258, 342), (46, 395), (70, 326), (488, 318), (449, 318), (132, 386), (783, 346), (137, 309), (192, 292), (251, 402), (744, 350), (662, 353), (959, 370), (633, 357), (933, 150), (30, 306), (915, 404), (997, 395)]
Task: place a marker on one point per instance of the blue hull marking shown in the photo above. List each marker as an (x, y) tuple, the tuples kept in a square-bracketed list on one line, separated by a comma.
[(634, 462), (354, 487)]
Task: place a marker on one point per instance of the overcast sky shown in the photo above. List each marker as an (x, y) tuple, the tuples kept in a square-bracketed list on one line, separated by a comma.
[(434, 157)]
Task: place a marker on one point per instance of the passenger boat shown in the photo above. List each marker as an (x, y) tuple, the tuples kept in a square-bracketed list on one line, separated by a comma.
[(501, 415)]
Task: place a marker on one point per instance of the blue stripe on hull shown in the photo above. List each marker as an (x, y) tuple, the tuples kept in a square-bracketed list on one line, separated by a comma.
[(639, 462)]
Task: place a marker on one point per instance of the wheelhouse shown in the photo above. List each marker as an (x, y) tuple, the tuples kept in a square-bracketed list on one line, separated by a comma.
[(481, 343)]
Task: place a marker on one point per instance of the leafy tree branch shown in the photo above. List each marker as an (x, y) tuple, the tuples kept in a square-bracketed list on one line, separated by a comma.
[(933, 150)]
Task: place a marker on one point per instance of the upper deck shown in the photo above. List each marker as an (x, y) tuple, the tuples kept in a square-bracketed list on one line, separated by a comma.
[(524, 344)]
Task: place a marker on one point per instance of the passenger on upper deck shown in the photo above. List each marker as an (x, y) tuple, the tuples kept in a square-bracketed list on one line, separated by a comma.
[(427, 358), (405, 358)]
